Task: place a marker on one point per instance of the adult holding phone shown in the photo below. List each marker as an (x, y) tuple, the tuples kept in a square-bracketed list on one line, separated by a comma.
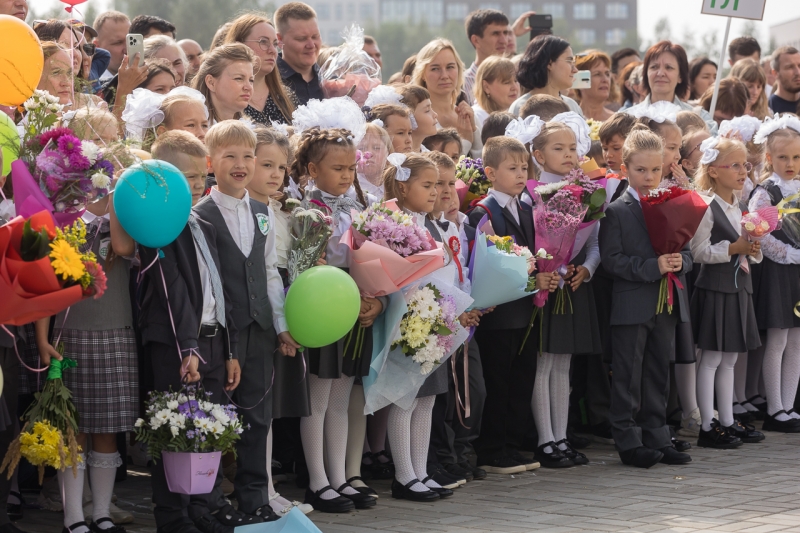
[(165, 47), (226, 80), (665, 75), (593, 100), (547, 67), (270, 101)]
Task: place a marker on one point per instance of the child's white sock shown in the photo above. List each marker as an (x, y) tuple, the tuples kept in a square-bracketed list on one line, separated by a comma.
[(399, 431), (311, 433), (790, 371), (705, 386), (421, 438), (773, 359), (72, 493), (540, 402), (102, 473), (724, 385), (336, 432)]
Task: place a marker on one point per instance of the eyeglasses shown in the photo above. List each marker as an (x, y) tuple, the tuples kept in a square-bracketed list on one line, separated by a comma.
[(737, 167), (264, 44), (570, 60)]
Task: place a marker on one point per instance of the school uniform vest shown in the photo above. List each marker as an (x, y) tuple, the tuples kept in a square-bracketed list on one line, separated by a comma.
[(244, 278), (723, 277)]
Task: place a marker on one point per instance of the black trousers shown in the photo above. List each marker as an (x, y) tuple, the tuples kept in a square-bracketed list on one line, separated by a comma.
[(640, 382), (508, 376), (591, 383), (171, 507), (10, 366)]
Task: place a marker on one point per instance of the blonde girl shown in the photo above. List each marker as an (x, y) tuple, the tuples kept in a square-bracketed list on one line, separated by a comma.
[(496, 88)]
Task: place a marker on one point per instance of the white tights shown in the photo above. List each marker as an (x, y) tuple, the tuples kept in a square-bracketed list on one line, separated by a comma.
[(409, 435), (716, 372), (782, 370), (550, 401)]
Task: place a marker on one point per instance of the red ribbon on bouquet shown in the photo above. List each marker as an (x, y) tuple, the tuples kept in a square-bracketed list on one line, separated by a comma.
[(672, 278), (455, 246)]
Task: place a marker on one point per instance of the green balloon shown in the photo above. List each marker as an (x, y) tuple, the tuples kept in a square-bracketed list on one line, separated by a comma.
[(322, 305), (9, 143)]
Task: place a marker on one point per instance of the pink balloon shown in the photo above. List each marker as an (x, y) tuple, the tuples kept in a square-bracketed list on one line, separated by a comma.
[(72, 3)]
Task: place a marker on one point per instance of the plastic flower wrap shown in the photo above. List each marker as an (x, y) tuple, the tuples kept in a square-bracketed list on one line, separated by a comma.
[(350, 71), (471, 183), (50, 426), (672, 216), (310, 230), (187, 421), (758, 224), (43, 269), (789, 209)]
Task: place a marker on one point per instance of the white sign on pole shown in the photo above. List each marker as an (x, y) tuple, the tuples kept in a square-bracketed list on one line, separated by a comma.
[(741, 9)]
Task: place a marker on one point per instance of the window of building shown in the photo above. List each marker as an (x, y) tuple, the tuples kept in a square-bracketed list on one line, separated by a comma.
[(617, 10), (491, 5), (430, 12), (615, 37), (586, 36), (554, 9), (334, 38), (366, 11), (457, 11), (584, 11), (518, 8), (337, 11), (323, 11), (395, 10), (351, 11)]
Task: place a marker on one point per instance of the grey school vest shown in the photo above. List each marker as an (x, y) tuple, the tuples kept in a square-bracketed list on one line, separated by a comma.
[(723, 277), (244, 278)]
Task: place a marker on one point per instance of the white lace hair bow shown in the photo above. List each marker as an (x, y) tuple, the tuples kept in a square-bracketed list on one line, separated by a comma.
[(143, 108), (194, 94), (579, 127), (709, 150), (770, 126), (283, 128), (339, 112), (397, 159), (525, 130), (660, 111), (746, 126), (383, 94)]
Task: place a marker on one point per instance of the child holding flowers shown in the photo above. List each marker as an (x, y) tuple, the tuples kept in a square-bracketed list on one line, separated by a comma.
[(570, 328)]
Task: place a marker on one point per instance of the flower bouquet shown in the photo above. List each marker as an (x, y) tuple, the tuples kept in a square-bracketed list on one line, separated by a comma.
[(759, 224), (672, 216), (350, 71), (43, 269), (191, 434), (310, 230), (388, 250), (471, 183), (42, 114), (51, 424)]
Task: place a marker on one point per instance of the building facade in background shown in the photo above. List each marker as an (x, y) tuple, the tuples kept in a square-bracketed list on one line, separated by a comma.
[(786, 34)]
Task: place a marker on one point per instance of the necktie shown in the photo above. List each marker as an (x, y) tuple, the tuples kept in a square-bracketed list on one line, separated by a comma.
[(216, 282)]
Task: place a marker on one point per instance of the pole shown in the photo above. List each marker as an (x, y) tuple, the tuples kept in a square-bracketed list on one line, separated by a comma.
[(719, 69)]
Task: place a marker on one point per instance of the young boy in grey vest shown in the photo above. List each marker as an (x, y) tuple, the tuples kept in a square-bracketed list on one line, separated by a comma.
[(246, 241)]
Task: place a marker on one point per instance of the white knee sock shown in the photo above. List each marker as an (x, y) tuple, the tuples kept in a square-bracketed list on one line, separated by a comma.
[(311, 433), (790, 370), (72, 492), (559, 397), (773, 360), (399, 432), (102, 473), (540, 402), (421, 438), (705, 386), (686, 383), (336, 431), (723, 382), (356, 433)]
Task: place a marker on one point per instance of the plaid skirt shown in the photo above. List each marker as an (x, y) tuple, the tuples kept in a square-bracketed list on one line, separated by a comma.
[(105, 385)]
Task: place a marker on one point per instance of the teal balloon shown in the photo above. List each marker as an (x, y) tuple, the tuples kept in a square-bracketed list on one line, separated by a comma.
[(9, 143), (153, 201), (322, 305)]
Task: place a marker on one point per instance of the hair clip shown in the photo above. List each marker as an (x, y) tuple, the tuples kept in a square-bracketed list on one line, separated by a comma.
[(709, 150), (397, 159)]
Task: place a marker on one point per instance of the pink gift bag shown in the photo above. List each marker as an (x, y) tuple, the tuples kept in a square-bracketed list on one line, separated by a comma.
[(191, 473)]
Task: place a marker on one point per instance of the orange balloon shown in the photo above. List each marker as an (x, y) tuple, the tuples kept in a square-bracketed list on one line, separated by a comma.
[(21, 61)]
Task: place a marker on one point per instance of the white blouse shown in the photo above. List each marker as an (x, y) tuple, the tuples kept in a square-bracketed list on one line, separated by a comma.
[(702, 249)]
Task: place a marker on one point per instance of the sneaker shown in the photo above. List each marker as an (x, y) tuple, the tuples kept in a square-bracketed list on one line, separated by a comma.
[(690, 426), (459, 472), (502, 465), (444, 479), (477, 473), (529, 464)]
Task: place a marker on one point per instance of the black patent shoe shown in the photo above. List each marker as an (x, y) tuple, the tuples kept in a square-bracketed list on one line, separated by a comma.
[(641, 457), (744, 418), (572, 454), (761, 406), (14, 510), (746, 433), (787, 426), (381, 470), (363, 490), (228, 515), (674, 457), (404, 492), (266, 513), (554, 459), (340, 504), (359, 499), (681, 445), (718, 437), (95, 527), (75, 526), (441, 491)]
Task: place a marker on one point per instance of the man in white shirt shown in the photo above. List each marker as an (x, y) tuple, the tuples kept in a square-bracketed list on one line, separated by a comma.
[(488, 31), (112, 27)]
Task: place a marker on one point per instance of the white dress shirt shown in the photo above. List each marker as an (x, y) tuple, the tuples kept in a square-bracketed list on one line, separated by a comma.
[(241, 224), (283, 239), (209, 315), (702, 249), (506, 200)]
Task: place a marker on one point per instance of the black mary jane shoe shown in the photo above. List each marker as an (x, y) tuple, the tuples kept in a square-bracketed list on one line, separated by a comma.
[(229, 516), (572, 454), (75, 526), (363, 490), (340, 504), (359, 499), (761, 406), (441, 491), (787, 426), (404, 492), (681, 445), (755, 412), (744, 418), (554, 459), (14, 510), (718, 437), (95, 526), (382, 470), (746, 433)]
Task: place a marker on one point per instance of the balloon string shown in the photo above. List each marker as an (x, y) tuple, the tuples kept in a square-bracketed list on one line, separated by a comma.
[(14, 339)]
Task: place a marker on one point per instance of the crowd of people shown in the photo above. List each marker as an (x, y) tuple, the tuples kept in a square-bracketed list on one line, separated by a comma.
[(249, 125)]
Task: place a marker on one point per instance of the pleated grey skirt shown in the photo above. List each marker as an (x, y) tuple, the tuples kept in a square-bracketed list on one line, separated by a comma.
[(724, 322), (436, 382), (576, 332), (332, 361), (776, 290)]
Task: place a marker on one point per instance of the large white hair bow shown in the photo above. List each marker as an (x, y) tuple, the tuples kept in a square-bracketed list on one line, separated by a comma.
[(143, 108), (579, 127), (382, 94), (746, 126), (397, 159), (339, 112), (709, 150), (659, 112), (780, 121), (525, 130)]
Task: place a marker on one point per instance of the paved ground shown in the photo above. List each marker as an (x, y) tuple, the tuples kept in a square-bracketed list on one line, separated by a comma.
[(755, 489)]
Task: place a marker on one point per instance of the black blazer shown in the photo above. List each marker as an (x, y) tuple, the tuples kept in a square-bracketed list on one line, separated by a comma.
[(516, 314), (182, 276), (629, 258)]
